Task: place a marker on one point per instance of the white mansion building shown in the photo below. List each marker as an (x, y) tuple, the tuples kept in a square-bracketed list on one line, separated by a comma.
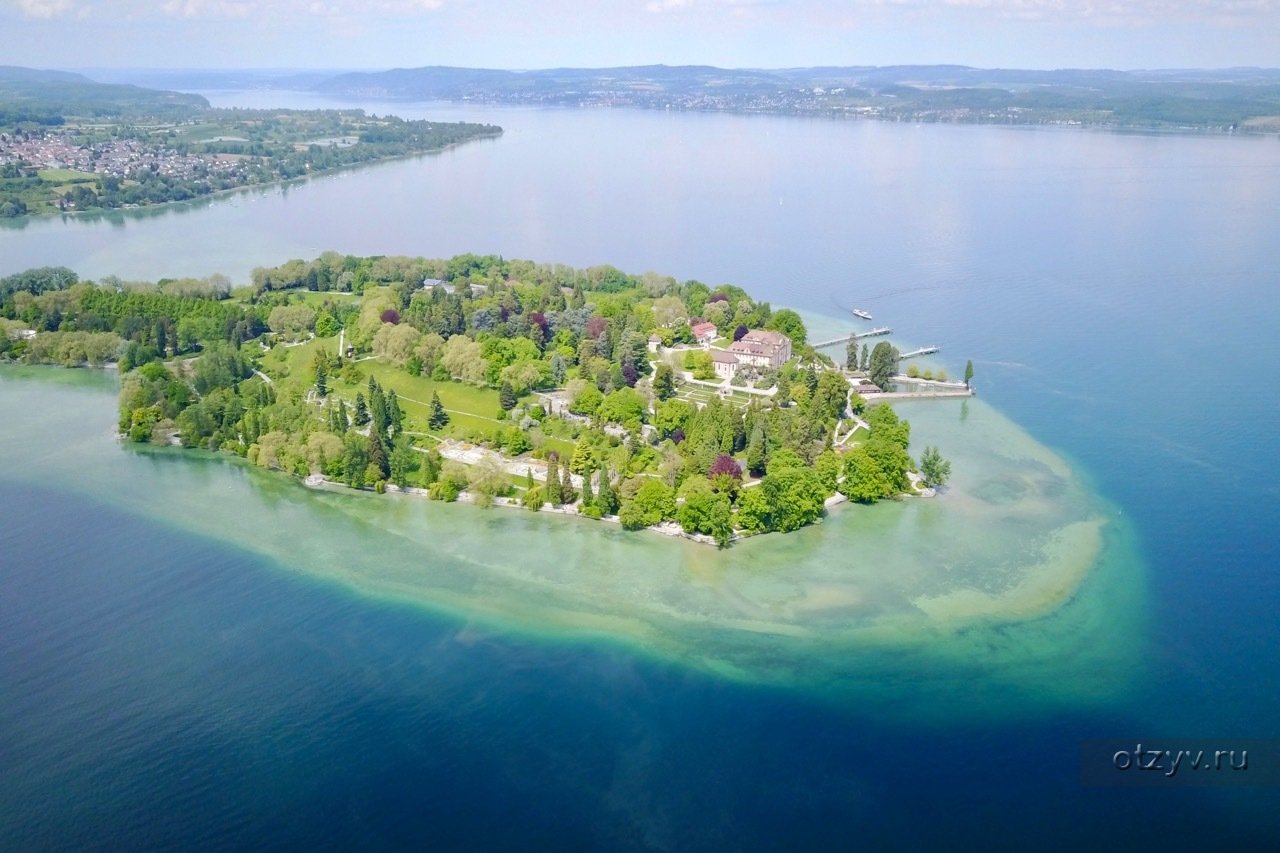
[(760, 349)]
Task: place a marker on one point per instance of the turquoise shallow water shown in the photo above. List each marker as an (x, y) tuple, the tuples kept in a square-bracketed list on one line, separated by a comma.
[(1115, 293)]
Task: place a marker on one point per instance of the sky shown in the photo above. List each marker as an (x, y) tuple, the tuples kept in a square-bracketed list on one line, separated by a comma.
[(523, 34)]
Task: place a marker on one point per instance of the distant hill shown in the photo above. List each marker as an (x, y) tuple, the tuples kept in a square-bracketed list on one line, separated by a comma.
[(449, 82), (195, 79), (48, 97), (1235, 99), (18, 74)]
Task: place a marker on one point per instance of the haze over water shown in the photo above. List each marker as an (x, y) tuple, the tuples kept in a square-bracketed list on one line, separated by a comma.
[(1116, 294)]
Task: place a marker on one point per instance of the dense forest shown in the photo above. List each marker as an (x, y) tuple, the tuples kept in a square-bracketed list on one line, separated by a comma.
[(501, 380)]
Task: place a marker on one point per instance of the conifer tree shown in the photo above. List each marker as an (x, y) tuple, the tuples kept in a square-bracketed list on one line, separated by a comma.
[(395, 417), (587, 497), (607, 499), (378, 455), (362, 410), (553, 478), (506, 396), (439, 418), (567, 495), (664, 382), (322, 376)]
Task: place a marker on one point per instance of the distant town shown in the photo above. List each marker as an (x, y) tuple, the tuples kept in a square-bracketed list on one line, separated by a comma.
[(68, 144)]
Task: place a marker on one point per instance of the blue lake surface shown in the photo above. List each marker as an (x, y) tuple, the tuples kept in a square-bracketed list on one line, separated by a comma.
[(1118, 294)]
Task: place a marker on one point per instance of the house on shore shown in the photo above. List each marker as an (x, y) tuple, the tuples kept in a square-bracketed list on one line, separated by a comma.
[(704, 333), (763, 349)]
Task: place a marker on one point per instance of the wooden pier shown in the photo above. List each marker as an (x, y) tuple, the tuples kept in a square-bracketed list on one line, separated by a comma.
[(921, 351), (883, 330)]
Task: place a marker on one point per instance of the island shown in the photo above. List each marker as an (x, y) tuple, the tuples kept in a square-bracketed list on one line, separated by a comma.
[(68, 144), (641, 400)]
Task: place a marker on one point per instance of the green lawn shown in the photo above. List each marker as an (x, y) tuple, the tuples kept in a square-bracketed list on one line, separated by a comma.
[(66, 176), (316, 298), (470, 408)]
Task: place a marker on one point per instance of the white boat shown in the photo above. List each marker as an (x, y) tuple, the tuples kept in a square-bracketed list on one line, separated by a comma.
[(858, 312)]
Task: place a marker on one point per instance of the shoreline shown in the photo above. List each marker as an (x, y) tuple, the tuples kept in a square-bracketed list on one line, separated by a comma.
[(105, 212), (810, 594)]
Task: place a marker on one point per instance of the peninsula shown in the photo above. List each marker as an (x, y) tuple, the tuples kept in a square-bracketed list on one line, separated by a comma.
[(654, 403), (68, 144)]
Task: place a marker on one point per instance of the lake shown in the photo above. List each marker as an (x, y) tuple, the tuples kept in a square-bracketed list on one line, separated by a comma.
[(177, 672)]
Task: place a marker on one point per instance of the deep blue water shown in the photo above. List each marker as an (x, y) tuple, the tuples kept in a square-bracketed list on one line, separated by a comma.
[(159, 689), (1118, 295)]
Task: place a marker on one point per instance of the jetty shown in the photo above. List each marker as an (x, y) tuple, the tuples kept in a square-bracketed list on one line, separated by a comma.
[(921, 351), (883, 330)]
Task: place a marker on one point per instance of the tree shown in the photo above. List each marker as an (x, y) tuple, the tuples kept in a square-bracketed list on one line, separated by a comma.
[(395, 416), (362, 410), (625, 406), (664, 382), (403, 461), (851, 354), (672, 415), (506, 396), (439, 418), (757, 452), (462, 358), (828, 465), (396, 343), (326, 325), (968, 372), (789, 323), (865, 360), (586, 401), (830, 395), (429, 468), (588, 497), (934, 469), (653, 502), (753, 511), (378, 455), (291, 321), (486, 480), (892, 459), (553, 479), (884, 364), (322, 375), (863, 480), (708, 513), (567, 494), (795, 497), (607, 499), (725, 465)]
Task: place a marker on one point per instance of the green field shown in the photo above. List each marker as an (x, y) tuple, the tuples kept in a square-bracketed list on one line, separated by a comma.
[(470, 408), (316, 298), (66, 176)]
